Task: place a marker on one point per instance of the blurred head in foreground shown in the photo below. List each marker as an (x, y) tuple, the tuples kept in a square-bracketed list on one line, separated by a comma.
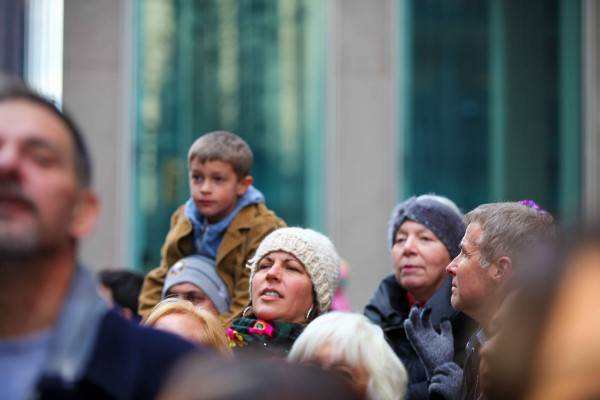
[(202, 378), (547, 345)]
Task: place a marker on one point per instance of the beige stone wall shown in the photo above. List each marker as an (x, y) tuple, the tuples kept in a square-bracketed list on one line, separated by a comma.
[(591, 106), (97, 92), (361, 155)]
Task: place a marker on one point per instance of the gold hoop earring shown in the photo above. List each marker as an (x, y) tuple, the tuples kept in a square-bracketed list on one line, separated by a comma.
[(308, 313), (246, 310)]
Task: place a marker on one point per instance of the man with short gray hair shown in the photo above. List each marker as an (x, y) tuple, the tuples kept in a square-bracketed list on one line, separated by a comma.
[(497, 234)]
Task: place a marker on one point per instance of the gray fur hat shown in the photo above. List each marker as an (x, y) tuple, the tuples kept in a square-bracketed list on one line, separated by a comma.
[(439, 214)]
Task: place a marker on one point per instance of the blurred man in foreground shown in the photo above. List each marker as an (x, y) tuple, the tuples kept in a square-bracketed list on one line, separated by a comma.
[(57, 337)]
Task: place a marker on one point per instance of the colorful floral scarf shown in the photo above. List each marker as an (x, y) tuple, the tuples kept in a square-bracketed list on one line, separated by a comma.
[(275, 337)]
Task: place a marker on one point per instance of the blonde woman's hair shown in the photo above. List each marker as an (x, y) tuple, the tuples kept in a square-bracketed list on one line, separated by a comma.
[(359, 343), (211, 335)]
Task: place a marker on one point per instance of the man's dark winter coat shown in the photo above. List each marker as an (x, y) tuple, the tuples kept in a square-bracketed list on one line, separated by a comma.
[(128, 362)]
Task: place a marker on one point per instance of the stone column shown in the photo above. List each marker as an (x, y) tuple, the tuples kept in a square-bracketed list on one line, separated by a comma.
[(97, 91), (591, 108), (362, 138)]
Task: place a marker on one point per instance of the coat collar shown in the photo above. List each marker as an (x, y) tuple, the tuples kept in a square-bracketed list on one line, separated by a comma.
[(441, 308), (74, 337), (390, 305), (76, 329), (234, 236)]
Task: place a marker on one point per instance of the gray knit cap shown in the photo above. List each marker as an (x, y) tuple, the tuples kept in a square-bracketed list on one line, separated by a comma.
[(316, 253), (439, 214), (199, 271)]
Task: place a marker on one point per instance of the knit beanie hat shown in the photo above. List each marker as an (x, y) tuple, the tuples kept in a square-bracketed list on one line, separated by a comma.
[(438, 214), (199, 271), (316, 253)]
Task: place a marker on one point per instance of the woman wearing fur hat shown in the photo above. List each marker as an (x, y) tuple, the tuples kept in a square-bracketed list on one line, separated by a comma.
[(292, 279), (425, 233)]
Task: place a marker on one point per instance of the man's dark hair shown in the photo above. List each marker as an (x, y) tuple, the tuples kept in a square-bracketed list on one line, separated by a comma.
[(124, 285), (83, 164)]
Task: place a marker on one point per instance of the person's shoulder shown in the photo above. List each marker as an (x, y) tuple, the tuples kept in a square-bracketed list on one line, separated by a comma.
[(388, 304), (388, 288), (143, 338), (180, 224), (257, 216), (131, 361)]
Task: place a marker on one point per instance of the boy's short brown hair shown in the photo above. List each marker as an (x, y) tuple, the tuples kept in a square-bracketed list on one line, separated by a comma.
[(223, 146)]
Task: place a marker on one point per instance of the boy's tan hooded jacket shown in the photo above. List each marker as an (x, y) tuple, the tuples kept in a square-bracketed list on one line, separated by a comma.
[(239, 243)]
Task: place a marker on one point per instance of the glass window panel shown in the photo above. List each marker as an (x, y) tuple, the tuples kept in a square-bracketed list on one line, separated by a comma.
[(492, 101), (253, 67)]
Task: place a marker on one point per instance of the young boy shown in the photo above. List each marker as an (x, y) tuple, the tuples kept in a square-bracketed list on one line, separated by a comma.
[(225, 219)]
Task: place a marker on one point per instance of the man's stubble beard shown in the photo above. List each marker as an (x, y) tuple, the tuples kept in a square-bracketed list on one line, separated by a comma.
[(19, 235), (19, 243)]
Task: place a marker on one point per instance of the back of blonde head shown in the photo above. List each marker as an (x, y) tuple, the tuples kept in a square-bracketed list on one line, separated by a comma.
[(212, 334)]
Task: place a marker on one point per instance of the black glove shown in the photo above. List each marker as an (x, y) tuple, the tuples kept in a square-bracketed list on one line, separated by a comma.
[(434, 349)]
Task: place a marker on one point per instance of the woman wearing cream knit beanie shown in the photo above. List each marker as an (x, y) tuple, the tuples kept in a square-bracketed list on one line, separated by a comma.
[(293, 276)]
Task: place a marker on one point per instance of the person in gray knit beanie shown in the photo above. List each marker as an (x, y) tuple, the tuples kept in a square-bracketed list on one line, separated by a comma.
[(424, 234), (316, 253), (439, 214), (195, 278)]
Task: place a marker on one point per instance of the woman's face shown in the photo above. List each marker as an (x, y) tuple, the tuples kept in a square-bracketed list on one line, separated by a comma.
[(281, 289), (420, 260)]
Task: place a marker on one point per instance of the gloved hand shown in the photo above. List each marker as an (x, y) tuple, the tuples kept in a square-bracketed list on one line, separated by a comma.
[(434, 349), (446, 381)]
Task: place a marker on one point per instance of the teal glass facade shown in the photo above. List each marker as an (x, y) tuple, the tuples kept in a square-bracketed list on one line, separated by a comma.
[(491, 103), (253, 67)]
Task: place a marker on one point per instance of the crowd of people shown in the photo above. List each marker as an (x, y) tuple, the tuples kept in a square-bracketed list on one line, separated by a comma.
[(492, 304)]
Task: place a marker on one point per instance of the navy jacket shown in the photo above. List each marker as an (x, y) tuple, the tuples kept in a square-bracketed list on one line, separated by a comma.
[(128, 362)]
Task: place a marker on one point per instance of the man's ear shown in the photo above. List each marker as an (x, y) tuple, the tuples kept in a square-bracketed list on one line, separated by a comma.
[(502, 269), (243, 185), (85, 214)]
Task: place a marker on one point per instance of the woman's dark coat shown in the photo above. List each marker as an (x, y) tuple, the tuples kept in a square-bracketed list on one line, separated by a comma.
[(389, 307)]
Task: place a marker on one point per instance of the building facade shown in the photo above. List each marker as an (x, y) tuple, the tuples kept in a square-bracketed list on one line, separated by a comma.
[(349, 106)]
